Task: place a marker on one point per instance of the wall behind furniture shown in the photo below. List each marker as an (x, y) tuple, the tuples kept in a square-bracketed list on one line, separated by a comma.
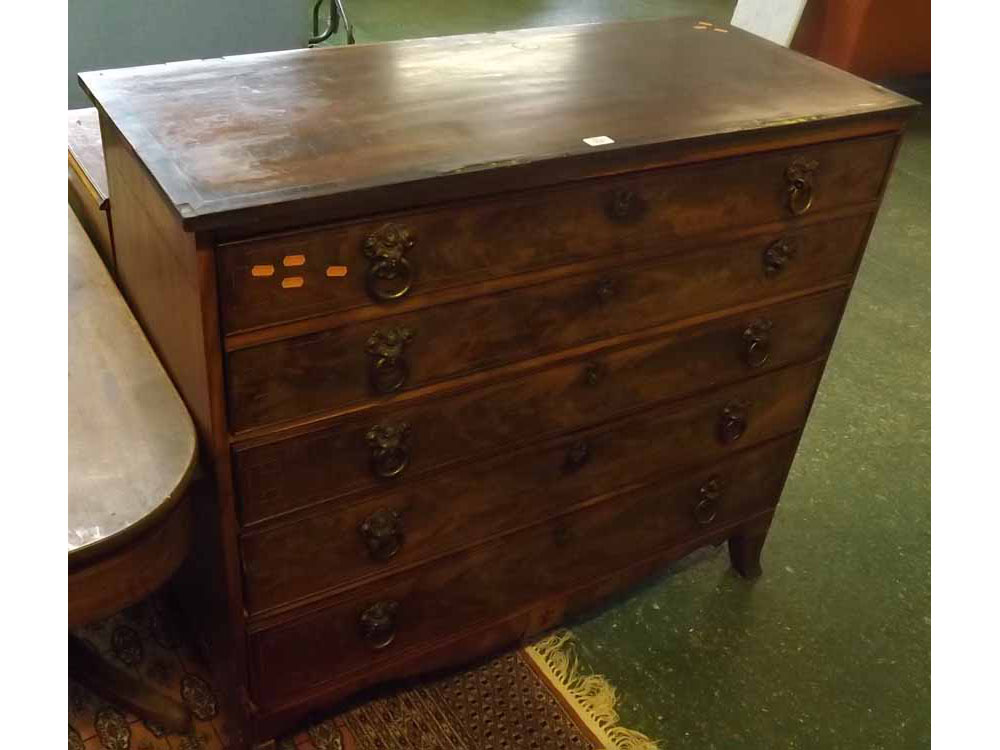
[(121, 33), (875, 39)]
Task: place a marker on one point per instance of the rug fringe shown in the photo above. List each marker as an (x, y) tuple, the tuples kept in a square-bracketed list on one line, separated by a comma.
[(593, 695)]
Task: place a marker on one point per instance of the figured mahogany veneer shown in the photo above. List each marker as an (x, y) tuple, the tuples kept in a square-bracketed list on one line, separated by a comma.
[(488, 581), (285, 473), (651, 212), (321, 371), (329, 548), (456, 371)]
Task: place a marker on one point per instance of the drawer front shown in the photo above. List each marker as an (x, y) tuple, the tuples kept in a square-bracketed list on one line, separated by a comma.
[(399, 614), (310, 374), (293, 276), (335, 547), (387, 445)]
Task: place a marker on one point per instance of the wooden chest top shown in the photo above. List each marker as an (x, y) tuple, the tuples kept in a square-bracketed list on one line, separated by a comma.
[(373, 125)]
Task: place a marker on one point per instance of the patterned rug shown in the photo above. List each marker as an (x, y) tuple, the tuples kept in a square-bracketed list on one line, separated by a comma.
[(530, 699)]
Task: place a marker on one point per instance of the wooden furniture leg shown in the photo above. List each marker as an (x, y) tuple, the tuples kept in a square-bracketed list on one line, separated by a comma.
[(123, 689), (745, 548)]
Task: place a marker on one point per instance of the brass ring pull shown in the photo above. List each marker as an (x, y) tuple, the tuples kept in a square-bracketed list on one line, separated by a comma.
[(800, 188), (384, 270), (577, 456), (605, 290), (732, 422), (382, 533), (593, 373), (385, 249), (388, 369), (776, 257), (706, 510), (625, 206), (757, 338), (389, 445), (378, 624)]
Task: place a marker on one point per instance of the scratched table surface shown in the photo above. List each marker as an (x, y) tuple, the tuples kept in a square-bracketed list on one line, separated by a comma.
[(236, 133), (84, 135), (132, 444)]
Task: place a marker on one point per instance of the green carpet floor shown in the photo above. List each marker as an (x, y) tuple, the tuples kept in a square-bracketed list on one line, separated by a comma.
[(408, 19), (831, 648)]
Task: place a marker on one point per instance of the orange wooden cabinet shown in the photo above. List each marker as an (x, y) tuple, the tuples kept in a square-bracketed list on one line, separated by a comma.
[(872, 38)]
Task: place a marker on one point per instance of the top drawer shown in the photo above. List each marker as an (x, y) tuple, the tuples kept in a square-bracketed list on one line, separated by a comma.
[(302, 274)]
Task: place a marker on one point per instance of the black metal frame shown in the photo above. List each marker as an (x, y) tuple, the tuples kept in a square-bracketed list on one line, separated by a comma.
[(337, 12)]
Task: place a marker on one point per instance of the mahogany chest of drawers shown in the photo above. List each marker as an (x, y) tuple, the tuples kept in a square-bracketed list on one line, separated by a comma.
[(479, 330)]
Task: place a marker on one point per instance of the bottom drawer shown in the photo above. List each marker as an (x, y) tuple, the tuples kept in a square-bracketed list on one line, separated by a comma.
[(405, 612)]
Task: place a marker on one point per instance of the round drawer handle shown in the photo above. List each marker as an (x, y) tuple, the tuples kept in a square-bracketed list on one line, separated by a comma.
[(388, 369), (706, 510), (732, 422), (625, 206), (389, 446), (378, 624), (776, 256), (799, 176), (382, 533), (593, 373), (385, 249), (577, 456), (605, 290), (757, 338)]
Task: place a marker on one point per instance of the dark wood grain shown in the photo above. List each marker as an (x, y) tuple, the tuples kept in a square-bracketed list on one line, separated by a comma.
[(280, 475), (371, 314), (501, 576), (532, 230), (456, 509), (510, 629), (293, 378), (259, 130)]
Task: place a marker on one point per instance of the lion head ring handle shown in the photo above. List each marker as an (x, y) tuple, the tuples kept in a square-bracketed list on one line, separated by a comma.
[(605, 290), (625, 206), (732, 422), (593, 374), (757, 340), (799, 177), (390, 274), (382, 533), (389, 448), (388, 369), (577, 456), (777, 256), (707, 508), (377, 624)]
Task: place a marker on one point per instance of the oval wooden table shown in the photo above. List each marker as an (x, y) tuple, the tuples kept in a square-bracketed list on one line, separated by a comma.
[(132, 454)]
